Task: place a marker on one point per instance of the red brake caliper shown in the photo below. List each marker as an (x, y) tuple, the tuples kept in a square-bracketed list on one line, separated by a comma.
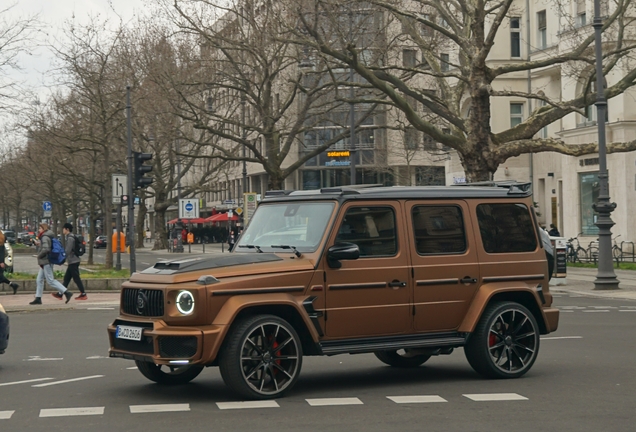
[(492, 340), (275, 345)]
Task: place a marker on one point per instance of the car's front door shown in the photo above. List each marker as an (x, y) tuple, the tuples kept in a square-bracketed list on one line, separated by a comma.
[(445, 263), (369, 296)]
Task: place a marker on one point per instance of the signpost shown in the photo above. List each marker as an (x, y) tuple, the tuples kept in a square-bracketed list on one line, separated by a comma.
[(48, 208), (120, 187), (249, 206), (189, 208)]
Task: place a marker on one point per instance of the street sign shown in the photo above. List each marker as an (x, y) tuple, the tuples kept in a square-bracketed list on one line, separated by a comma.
[(48, 213), (239, 211), (46, 206), (250, 199), (189, 208), (120, 187)]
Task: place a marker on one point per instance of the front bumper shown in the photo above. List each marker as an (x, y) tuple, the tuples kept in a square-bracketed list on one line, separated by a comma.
[(4, 332), (164, 344)]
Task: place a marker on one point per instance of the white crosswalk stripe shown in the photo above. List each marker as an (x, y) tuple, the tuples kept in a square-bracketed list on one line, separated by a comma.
[(492, 397), (334, 401), (71, 412), (137, 409), (416, 399), (68, 381), (247, 405), (6, 415)]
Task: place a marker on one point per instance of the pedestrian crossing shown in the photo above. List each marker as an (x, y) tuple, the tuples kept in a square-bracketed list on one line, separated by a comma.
[(268, 404), (595, 309)]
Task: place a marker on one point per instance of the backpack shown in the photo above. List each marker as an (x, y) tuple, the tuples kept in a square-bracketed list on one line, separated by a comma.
[(57, 254), (80, 246)]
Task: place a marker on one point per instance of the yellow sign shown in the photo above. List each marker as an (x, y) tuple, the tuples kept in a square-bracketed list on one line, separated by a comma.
[(344, 153), (238, 210)]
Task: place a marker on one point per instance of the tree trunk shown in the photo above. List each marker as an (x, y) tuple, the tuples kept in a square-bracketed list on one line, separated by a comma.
[(161, 236)]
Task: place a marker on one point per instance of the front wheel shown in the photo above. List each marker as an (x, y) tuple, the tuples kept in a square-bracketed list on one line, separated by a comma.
[(505, 342), (168, 375), (401, 358), (261, 357)]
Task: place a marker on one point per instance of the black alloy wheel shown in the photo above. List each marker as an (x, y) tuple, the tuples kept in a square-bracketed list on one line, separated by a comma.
[(261, 357), (505, 343), (168, 374), (401, 358)]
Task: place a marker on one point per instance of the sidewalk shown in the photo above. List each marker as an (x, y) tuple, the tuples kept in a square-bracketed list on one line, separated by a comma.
[(579, 281)]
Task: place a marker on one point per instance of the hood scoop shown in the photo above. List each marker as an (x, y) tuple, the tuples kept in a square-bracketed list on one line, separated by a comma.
[(205, 263)]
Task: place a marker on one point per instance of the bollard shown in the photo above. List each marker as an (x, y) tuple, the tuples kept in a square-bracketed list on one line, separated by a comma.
[(203, 247), (189, 248), (222, 244)]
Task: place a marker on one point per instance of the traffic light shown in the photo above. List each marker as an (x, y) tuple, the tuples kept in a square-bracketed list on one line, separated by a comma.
[(141, 170), (124, 200)]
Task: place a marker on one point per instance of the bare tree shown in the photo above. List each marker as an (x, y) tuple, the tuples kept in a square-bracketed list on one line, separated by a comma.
[(454, 42)]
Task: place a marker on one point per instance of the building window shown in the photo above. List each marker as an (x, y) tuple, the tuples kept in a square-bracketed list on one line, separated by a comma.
[(515, 37), (542, 36), (590, 188), (409, 58), (411, 138), (445, 65), (516, 114), (430, 176)]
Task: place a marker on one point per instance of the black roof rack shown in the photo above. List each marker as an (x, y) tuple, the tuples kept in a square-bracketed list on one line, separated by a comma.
[(277, 192), (514, 187)]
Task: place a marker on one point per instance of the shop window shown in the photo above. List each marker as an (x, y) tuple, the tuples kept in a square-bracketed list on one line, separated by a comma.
[(590, 187)]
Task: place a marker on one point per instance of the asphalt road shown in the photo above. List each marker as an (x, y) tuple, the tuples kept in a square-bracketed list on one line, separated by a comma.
[(55, 376)]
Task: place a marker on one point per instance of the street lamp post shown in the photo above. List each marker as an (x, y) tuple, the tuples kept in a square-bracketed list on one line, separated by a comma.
[(352, 113), (605, 277), (243, 137)]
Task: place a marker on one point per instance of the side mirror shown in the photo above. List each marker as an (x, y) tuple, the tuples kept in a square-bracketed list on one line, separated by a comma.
[(342, 251)]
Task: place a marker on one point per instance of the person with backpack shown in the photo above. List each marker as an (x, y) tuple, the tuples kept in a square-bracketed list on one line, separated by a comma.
[(48, 255), (74, 249)]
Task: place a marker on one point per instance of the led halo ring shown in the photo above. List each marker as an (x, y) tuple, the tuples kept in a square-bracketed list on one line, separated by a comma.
[(188, 302)]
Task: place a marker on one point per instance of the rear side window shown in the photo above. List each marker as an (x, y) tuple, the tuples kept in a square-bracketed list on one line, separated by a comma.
[(438, 230), (371, 228), (506, 228)]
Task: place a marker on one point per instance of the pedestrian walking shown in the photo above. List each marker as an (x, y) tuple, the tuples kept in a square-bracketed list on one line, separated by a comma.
[(3, 278), (72, 262), (44, 243)]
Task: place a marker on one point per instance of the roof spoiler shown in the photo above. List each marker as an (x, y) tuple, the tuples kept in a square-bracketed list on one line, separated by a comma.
[(514, 187)]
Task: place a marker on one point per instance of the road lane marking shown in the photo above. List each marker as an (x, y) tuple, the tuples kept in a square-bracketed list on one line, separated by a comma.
[(571, 307), (247, 405), (138, 409), (491, 397), (416, 399), (100, 308), (603, 307), (38, 358), (563, 311), (68, 381), (69, 412), (96, 357), (598, 310), (561, 337), (6, 415), (132, 368), (25, 382), (334, 401), (628, 310)]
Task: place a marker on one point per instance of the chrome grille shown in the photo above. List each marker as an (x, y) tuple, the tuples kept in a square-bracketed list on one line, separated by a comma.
[(152, 302)]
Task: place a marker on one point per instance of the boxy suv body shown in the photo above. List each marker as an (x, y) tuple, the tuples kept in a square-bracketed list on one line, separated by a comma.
[(402, 272)]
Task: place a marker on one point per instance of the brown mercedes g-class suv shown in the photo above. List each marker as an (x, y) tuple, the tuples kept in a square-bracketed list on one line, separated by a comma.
[(405, 273)]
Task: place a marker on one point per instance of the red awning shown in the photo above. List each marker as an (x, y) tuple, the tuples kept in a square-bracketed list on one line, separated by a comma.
[(222, 217), (187, 221)]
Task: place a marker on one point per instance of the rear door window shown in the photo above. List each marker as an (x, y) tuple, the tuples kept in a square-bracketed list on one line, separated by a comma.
[(506, 228), (438, 230)]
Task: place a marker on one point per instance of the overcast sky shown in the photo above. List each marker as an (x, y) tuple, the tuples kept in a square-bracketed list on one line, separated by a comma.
[(53, 14)]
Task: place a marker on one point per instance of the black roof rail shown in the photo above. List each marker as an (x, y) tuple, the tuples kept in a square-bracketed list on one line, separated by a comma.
[(514, 187), (277, 192)]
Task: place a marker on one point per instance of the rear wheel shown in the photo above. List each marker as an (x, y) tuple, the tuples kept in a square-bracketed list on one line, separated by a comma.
[(261, 358), (168, 375), (505, 342), (401, 358)]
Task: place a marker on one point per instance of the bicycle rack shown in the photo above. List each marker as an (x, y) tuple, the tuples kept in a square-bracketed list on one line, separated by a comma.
[(625, 254)]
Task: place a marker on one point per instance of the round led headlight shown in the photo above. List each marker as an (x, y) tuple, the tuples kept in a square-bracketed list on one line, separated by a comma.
[(185, 302)]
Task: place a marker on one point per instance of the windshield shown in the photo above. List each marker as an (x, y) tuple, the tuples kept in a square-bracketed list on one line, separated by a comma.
[(298, 225)]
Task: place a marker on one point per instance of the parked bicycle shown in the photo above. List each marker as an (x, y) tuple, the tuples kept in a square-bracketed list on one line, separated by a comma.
[(574, 250), (617, 251)]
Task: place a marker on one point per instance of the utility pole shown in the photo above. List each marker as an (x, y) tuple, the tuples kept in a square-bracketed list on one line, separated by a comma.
[(605, 277), (131, 197), (352, 113)]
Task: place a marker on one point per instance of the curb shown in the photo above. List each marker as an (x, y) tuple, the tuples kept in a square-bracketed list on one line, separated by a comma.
[(107, 285)]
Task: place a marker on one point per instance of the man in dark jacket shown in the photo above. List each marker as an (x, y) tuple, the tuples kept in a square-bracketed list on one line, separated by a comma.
[(73, 262), (44, 242)]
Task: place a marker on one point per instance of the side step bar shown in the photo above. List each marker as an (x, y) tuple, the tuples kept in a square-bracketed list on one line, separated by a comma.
[(366, 345)]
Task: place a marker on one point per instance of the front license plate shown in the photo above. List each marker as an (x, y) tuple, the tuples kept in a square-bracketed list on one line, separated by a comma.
[(130, 333)]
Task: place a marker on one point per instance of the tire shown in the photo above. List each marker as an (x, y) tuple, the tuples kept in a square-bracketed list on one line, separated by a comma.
[(168, 375), (261, 357), (505, 343), (401, 358)]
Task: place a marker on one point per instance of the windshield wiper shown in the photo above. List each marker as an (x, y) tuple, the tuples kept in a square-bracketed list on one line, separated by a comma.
[(258, 248), (298, 254)]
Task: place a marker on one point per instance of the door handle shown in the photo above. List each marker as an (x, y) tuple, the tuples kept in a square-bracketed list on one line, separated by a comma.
[(468, 280), (397, 284)]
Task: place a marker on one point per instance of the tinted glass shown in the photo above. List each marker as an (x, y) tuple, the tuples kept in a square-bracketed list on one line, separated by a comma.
[(371, 228), (438, 230), (506, 228)]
